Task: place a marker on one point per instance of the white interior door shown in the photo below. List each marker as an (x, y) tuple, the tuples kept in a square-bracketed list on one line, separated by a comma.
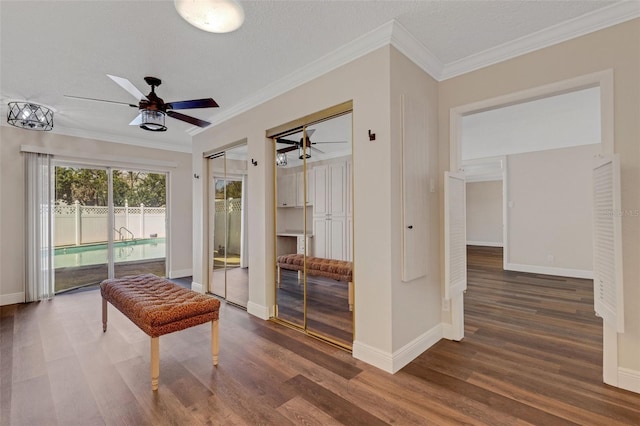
[(455, 236), (607, 242)]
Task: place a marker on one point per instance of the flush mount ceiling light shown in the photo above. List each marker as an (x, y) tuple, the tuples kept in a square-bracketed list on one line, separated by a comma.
[(214, 16), (30, 116)]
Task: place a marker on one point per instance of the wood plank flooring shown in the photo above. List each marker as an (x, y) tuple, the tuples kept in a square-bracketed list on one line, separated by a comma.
[(531, 355)]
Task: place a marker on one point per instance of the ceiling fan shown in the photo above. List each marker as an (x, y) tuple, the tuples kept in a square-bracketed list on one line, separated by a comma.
[(153, 109), (300, 144)]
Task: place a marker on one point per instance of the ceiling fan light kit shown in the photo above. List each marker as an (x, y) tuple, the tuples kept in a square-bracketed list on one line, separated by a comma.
[(152, 120), (28, 115), (281, 159), (214, 16)]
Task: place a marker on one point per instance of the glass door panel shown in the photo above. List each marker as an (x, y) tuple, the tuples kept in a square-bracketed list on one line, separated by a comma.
[(139, 223), (80, 227), (229, 266), (218, 225), (290, 154), (328, 312), (314, 222)]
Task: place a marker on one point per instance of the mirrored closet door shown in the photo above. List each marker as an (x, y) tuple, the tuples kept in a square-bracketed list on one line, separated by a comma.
[(228, 238), (314, 228)]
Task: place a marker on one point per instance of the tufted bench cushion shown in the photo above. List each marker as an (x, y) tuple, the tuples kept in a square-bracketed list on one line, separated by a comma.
[(339, 270), (157, 305)]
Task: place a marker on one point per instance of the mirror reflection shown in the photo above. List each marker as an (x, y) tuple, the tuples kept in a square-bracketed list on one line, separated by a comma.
[(314, 228), (228, 242)]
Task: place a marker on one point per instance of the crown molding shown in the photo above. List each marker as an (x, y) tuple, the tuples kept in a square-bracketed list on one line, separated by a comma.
[(362, 45), (417, 52), (107, 137), (598, 19)]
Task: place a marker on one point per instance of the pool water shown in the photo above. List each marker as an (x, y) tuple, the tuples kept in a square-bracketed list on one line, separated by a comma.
[(96, 254)]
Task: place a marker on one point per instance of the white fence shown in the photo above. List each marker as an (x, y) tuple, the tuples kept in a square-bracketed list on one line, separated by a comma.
[(228, 216), (75, 224)]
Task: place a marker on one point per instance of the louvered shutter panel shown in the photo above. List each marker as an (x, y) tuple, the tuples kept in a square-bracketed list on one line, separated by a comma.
[(607, 242), (455, 237)]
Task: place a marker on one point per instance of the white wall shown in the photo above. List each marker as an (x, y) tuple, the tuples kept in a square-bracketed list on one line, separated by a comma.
[(376, 181), (484, 213), (616, 48), (550, 211), (12, 189)]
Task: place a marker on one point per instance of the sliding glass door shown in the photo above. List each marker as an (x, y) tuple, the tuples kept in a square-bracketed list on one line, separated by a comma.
[(228, 264), (314, 284), (107, 223)]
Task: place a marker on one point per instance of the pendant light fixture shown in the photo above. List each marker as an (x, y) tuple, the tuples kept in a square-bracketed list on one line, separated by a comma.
[(214, 16)]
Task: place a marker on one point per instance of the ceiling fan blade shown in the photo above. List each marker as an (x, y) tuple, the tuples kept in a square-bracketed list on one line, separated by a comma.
[(287, 141), (316, 149), (136, 121), (313, 143), (128, 86), (99, 100), (188, 119), (194, 103), (287, 149)]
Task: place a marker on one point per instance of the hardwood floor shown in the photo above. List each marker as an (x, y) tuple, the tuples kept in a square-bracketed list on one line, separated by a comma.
[(531, 355)]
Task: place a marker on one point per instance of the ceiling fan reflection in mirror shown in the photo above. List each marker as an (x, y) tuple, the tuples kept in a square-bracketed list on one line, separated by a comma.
[(299, 145), (153, 109)]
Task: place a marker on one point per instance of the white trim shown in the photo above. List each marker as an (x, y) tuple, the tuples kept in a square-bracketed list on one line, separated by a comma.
[(104, 160), (259, 311), (127, 140), (598, 19), (11, 298), (373, 356), (549, 270), (629, 379), (197, 287), (393, 362), (418, 53), (485, 243), (181, 273), (414, 348), (447, 331)]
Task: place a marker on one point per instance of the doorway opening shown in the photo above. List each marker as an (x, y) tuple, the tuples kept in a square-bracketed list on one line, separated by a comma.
[(604, 82)]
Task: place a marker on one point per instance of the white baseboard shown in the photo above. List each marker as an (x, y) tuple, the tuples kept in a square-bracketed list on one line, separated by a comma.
[(629, 379), (11, 298), (180, 273), (259, 311), (393, 362), (549, 270), (197, 287), (447, 331), (485, 243)]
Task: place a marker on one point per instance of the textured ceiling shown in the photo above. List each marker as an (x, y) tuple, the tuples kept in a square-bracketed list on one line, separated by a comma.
[(53, 48)]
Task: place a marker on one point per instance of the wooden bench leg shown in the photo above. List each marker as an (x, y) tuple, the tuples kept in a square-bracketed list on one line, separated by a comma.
[(279, 280), (104, 314), (155, 362), (350, 296), (215, 345)]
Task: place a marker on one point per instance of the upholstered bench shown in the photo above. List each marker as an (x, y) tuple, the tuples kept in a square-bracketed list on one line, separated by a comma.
[(158, 306), (339, 270)]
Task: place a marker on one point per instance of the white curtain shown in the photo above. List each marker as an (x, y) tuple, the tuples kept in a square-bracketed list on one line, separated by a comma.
[(244, 245), (39, 202)]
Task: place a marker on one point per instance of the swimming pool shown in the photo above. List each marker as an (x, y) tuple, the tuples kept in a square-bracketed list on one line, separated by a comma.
[(96, 254)]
